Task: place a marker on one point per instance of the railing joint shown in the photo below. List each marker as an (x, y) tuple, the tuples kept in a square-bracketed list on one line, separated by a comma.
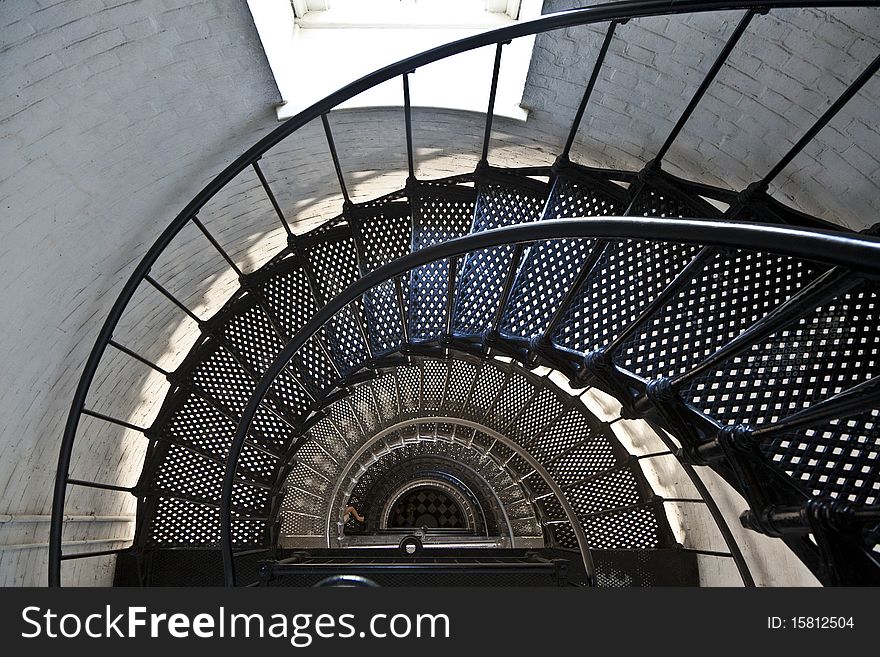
[(597, 369), (536, 349), (489, 339), (813, 516), (750, 193), (731, 439), (596, 362), (560, 164), (658, 392), (652, 168), (175, 378)]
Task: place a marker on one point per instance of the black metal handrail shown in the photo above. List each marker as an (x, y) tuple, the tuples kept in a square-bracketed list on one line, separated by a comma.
[(859, 254), (613, 13)]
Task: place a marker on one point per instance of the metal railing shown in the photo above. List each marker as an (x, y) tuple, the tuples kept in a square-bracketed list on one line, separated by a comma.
[(849, 253), (859, 255)]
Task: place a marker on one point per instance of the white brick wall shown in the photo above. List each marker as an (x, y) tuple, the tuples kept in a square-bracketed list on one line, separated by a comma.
[(789, 66), (114, 114)]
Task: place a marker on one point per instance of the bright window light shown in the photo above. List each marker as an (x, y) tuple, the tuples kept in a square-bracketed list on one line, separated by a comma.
[(315, 47)]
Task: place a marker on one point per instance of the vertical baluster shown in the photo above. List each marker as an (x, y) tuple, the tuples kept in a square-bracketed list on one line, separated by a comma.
[(512, 270), (216, 245), (829, 114), (407, 117), (138, 357), (451, 275), (579, 115), (333, 154), (401, 308), (487, 135), (173, 299), (113, 420), (272, 199), (707, 81)]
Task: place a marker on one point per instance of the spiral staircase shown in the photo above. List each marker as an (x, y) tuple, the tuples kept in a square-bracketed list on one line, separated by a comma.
[(441, 345)]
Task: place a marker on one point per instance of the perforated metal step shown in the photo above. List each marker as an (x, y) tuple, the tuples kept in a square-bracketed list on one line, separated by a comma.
[(549, 268), (732, 291), (384, 233), (829, 350), (825, 351), (440, 213), (331, 260), (502, 201)]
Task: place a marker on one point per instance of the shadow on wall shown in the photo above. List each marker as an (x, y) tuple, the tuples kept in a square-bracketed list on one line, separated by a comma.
[(300, 173)]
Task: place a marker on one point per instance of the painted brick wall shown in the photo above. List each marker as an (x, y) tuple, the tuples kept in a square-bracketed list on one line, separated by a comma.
[(111, 114), (789, 66), (114, 114)]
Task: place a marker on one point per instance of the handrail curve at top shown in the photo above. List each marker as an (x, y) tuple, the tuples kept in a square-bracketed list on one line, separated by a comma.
[(614, 11)]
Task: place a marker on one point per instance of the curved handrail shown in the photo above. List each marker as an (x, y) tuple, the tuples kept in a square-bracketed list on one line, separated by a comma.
[(615, 11), (856, 253)]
